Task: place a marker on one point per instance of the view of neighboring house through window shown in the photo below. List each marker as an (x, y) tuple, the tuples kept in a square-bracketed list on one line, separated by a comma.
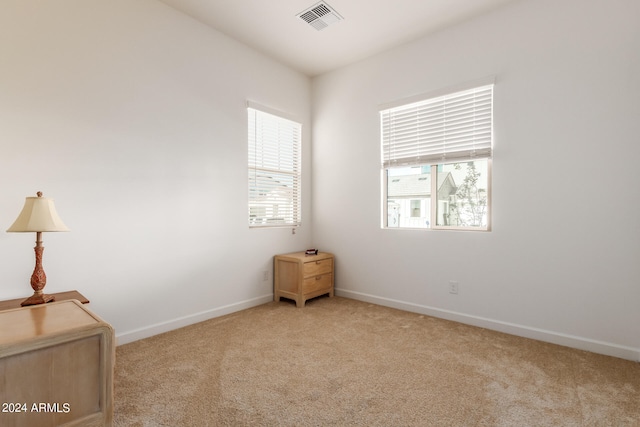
[(274, 170), (436, 160)]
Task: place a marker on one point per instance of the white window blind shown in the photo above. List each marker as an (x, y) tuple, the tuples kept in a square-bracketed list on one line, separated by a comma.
[(274, 170), (446, 128)]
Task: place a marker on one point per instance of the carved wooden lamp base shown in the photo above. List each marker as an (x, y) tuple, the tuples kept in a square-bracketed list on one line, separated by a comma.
[(38, 278), (38, 298)]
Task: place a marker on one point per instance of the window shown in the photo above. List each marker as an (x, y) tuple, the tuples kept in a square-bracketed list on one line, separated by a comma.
[(436, 161), (415, 208), (274, 170)]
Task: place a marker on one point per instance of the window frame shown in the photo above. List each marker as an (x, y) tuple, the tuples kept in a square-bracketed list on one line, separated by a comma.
[(434, 164), (274, 161)]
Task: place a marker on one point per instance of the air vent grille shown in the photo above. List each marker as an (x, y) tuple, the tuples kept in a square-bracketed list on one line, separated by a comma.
[(321, 9), (320, 16)]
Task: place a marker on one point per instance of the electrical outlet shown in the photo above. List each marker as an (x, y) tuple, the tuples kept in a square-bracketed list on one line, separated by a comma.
[(453, 287), (265, 275)]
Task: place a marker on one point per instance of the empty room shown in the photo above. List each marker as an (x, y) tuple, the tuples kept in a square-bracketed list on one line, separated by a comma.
[(410, 213)]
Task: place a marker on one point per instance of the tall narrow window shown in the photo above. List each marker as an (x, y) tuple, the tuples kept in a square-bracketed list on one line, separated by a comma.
[(436, 153), (274, 170)]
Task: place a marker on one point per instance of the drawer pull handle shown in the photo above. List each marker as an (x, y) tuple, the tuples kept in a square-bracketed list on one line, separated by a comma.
[(318, 277), (317, 262)]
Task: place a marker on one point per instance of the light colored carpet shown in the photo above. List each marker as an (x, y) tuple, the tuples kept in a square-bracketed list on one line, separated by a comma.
[(340, 362)]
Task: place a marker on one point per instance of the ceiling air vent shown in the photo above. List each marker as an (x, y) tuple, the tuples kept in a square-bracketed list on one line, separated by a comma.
[(320, 16)]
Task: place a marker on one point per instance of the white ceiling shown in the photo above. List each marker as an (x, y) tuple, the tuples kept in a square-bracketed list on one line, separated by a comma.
[(368, 27)]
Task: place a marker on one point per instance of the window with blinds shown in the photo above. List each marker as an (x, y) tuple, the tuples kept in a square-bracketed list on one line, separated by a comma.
[(274, 170), (436, 161), (446, 128)]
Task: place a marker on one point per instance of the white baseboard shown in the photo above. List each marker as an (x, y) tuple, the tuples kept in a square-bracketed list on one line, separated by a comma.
[(581, 343), (158, 328)]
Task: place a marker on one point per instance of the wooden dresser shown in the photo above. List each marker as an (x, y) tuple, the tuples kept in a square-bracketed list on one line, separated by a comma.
[(56, 366), (301, 277)]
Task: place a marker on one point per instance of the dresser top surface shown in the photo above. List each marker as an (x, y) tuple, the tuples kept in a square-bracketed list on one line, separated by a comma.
[(41, 320), (306, 258)]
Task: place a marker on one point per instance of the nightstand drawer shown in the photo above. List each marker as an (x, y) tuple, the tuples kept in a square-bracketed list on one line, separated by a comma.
[(316, 268), (317, 283)]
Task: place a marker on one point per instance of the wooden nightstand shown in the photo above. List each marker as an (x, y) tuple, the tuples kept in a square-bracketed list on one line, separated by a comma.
[(301, 277), (56, 365)]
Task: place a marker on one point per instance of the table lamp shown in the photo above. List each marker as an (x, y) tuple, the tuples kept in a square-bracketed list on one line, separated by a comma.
[(38, 215)]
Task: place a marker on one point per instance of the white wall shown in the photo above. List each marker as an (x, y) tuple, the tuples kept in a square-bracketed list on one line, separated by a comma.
[(132, 117), (562, 262)]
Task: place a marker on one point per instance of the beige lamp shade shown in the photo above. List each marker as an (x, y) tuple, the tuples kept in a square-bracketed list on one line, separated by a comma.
[(38, 214)]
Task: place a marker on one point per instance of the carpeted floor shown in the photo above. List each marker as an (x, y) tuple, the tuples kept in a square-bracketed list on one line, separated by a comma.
[(340, 362)]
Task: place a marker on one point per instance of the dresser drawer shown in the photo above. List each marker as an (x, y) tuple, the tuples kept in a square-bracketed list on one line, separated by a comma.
[(316, 268), (317, 283)]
